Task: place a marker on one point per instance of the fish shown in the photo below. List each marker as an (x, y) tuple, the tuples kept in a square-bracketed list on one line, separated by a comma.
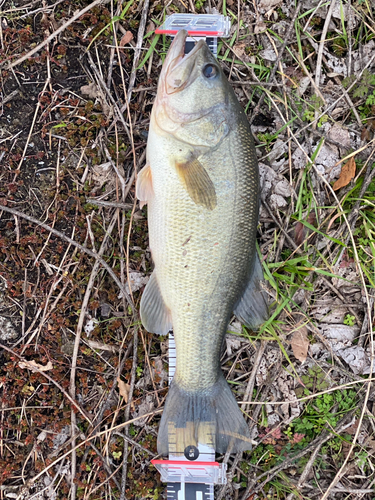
[(201, 186)]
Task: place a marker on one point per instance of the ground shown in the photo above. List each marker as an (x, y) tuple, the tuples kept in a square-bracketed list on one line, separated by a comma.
[(82, 384)]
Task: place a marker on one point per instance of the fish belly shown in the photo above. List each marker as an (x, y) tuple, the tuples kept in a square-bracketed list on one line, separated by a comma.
[(202, 256)]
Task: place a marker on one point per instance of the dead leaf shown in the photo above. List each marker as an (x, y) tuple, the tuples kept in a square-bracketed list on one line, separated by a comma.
[(347, 174), (128, 37), (267, 4), (260, 26), (137, 281), (301, 231), (366, 131), (353, 428), (91, 90), (365, 134), (300, 344), (124, 389), (34, 366)]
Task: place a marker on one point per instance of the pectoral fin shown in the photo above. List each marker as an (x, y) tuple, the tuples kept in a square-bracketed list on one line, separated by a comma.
[(155, 315), (197, 183), (252, 308), (143, 189)]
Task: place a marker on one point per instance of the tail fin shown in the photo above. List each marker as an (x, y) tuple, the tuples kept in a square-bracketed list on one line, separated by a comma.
[(211, 417)]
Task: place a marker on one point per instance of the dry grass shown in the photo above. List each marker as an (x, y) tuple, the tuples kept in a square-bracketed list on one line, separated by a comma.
[(82, 384)]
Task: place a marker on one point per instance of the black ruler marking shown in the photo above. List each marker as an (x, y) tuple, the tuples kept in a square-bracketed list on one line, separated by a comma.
[(190, 491)]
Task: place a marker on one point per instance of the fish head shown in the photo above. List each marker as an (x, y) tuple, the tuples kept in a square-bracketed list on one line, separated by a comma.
[(192, 96)]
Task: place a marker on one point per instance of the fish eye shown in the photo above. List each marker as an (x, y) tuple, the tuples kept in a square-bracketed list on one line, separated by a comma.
[(210, 71)]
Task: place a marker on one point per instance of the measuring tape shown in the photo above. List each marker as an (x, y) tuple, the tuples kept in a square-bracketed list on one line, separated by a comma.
[(193, 475)]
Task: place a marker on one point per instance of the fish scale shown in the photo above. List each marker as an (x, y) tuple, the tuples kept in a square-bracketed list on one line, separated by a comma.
[(201, 184), (200, 314)]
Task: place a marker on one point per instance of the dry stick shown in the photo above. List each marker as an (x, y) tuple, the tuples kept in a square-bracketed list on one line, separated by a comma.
[(113, 204), (362, 279), (137, 52), (306, 471), (321, 393), (290, 240), (30, 132), (81, 319), (321, 43), (127, 414), (247, 396), (98, 419), (131, 441), (53, 35), (282, 48), (74, 243), (319, 441), (111, 474), (112, 53), (127, 96), (331, 106), (119, 112), (74, 403), (347, 96), (250, 384), (87, 440)]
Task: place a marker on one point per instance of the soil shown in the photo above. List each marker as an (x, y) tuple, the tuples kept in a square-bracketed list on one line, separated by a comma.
[(82, 384)]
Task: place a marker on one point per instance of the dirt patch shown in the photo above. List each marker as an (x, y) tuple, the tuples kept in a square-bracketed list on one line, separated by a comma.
[(84, 423)]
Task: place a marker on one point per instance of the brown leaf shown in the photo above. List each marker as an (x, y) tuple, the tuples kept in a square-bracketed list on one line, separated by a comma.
[(353, 428), (365, 134), (366, 131), (300, 344), (90, 90), (301, 231), (128, 37), (34, 366), (347, 174), (124, 389)]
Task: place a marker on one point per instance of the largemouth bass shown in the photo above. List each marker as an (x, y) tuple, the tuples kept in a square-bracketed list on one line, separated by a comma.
[(201, 184)]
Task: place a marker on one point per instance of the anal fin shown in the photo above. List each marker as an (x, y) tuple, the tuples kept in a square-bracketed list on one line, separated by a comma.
[(155, 315), (252, 307)]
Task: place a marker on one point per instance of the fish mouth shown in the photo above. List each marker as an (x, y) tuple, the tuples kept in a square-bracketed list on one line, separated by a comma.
[(178, 67)]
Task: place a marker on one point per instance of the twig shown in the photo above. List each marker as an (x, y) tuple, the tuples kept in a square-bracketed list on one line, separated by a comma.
[(113, 204), (131, 441), (127, 413), (74, 243), (281, 52), (107, 402), (87, 440), (74, 403), (81, 319), (137, 52), (319, 441), (99, 77), (321, 43), (53, 35), (250, 384), (306, 470), (295, 247)]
